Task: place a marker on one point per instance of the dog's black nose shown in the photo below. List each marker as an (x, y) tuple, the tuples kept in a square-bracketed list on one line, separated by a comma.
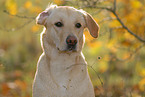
[(71, 42)]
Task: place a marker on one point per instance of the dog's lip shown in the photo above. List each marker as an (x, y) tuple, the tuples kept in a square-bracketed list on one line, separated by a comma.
[(67, 50)]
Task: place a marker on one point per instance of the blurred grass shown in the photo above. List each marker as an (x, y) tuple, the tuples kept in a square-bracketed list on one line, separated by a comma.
[(20, 48)]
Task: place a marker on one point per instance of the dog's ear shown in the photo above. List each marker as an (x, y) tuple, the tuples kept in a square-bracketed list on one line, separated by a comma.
[(92, 26), (41, 18)]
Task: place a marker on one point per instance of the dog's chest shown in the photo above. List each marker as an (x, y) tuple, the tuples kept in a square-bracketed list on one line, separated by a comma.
[(59, 69), (66, 73)]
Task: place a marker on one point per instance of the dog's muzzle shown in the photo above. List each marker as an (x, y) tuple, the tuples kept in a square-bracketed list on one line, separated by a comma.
[(71, 42)]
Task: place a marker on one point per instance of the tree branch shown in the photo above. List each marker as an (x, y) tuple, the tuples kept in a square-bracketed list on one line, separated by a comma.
[(107, 19), (132, 54), (125, 27), (24, 17), (18, 16), (121, 22), (96, 74), (114, 5), (18, 28)]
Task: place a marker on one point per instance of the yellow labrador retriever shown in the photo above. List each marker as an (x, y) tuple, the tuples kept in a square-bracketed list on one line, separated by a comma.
[(62, 70)]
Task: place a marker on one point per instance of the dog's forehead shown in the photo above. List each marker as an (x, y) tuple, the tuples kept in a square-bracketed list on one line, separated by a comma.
[(65, 11)]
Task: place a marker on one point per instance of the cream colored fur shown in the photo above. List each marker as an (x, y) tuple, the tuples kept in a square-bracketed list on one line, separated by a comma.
[(63, 73)]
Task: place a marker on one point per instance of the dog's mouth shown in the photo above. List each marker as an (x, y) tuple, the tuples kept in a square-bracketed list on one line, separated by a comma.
[(71, 44), (69, 48)]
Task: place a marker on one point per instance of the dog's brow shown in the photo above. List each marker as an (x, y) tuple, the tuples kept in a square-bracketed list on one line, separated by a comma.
[(68, 11)]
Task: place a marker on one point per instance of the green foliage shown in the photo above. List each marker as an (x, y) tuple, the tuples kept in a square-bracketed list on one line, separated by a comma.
[(117, 57)]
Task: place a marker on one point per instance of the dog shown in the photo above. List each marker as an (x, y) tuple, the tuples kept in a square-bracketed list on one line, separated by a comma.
[(62, 69)]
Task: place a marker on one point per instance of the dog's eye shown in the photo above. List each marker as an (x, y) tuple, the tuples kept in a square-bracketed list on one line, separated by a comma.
[(58, 24), (78, 25)]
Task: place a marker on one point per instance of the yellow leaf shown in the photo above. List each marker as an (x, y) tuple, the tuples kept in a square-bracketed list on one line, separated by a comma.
[(142, 84), (27, 4), (35, 28), (142, 72), (129, 36), (133, 17), (136, 4), (114, 23), (103, 67), (88, 37), (111, 44), (106, 58), (126, 55), (59, 2), (36, 9), (95, 44), (96, 19), (11, 6)]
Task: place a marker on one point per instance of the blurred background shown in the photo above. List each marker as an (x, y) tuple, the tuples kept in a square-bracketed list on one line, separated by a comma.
[(116, 60)]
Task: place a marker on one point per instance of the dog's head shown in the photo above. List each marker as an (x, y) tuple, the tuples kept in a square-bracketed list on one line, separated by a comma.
[(65, 26)]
